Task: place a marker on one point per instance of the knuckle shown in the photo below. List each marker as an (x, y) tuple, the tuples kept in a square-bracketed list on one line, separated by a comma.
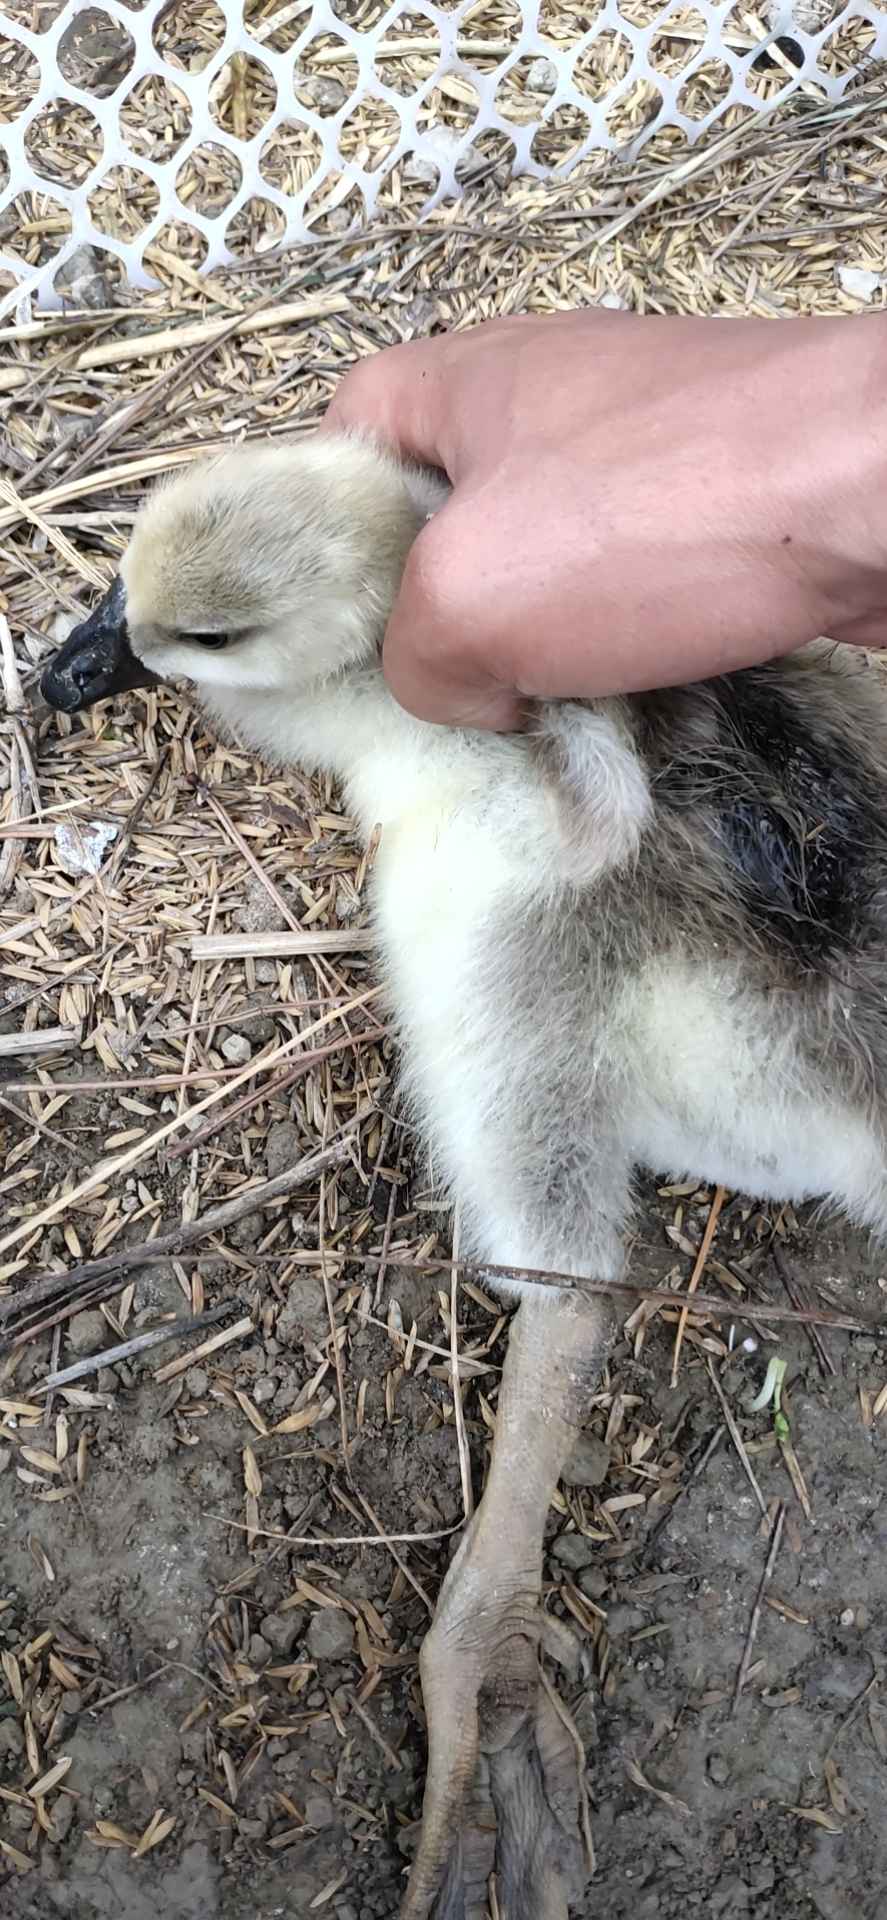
[(357, 390), (436, 572)]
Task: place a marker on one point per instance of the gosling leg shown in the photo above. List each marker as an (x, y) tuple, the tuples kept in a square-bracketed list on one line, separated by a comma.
[(502, 1786)]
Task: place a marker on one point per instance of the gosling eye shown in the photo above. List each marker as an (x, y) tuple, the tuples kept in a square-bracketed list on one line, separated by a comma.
[(207, 639)]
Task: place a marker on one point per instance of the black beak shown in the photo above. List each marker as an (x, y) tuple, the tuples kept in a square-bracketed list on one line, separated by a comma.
[(97, 659)]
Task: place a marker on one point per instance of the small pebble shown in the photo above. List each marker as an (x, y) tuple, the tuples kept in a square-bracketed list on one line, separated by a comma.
[(280, 1630), (64, 1808), (88, 1332), (319, 1810), (330, 1635), (11, 1738), (415, 168), (623, 1620), (197, 1381), (282, 1147), (860, 282), (261, 1027), (80, 277), (589, 1463), (251, 1829), (245, 1233), (542, 76), (327, 94), (236, 1049), (573, 1551), (304, 1312)]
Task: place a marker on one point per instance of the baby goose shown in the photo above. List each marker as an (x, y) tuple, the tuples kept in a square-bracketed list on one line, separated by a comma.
[(647, 932)]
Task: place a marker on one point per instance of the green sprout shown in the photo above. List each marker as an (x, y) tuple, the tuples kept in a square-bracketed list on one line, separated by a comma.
[(772, 1391)]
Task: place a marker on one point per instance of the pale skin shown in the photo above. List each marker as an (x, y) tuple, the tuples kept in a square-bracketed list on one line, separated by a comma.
[(638, 501)]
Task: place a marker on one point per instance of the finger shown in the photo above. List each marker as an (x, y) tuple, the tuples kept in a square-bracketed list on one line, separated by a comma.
[(398, 395), (433, 653), (869, 630)]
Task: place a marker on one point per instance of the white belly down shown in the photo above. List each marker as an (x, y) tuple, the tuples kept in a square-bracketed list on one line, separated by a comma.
[(721, 1099), (536, 1104)]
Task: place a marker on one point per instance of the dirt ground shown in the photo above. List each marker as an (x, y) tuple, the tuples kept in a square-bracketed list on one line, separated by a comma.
[(288, 1800)]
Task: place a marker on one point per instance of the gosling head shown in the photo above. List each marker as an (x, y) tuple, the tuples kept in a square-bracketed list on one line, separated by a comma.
[(268, 568)]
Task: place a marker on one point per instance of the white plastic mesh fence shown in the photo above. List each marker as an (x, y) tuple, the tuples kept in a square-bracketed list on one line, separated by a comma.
[(212, 129)]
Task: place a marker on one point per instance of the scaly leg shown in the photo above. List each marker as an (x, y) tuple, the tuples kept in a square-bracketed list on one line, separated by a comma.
[(501, 1788)]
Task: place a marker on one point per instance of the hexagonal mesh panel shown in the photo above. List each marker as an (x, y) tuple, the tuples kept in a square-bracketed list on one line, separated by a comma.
[(211, 129)]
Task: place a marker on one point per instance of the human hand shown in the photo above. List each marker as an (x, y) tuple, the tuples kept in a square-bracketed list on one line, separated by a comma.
[(638, 501)]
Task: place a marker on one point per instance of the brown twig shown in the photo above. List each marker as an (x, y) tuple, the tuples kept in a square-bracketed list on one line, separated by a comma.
[(458, 1410), (720, 1195), (133, 1155), (30, 1124), (798, 1297), (109, 872), (22, 790), (116, 353), (393, 1540), (111, 1267), (175, 1330), (136, 1686), (393, 1759), (334, 1332), (281, 946), (386, 1237), (243, 847), (240, 1331), (633, 1289), (745, 1662), (250, 1573), (853, 1711), (13, 697), (737, 1439), (41, 1040), (304, 1065)]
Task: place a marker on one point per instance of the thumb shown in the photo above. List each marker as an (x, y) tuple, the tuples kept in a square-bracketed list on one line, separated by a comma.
[(398, 397), (433, 656)]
